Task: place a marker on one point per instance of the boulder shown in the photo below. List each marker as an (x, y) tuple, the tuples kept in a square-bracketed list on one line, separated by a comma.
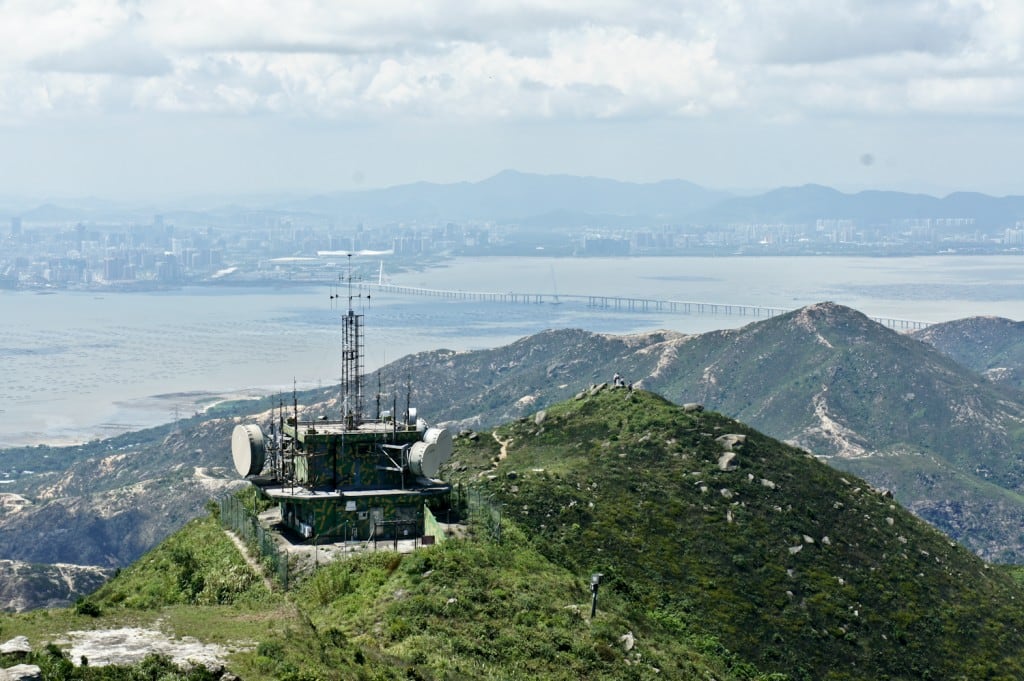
[(731, 440), (17, 647), (22, 672), (727, 461), (693, 407)]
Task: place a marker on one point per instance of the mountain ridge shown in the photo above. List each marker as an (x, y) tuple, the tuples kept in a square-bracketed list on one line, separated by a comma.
[(115, 499), (992, 346), (724, 554), (825, 377), (537, 200)]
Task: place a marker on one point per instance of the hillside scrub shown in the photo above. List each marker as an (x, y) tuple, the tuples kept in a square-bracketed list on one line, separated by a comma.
[(801, 569), (462, 609), (196, 566), (725, 554)]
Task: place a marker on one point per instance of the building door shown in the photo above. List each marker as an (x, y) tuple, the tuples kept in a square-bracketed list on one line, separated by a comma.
[(377, 521)]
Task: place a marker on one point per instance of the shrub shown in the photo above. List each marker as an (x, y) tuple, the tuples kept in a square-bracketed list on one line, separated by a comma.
[(86, 607)]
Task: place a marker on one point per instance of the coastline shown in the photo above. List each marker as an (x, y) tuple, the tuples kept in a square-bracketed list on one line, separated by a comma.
[(150, 412), (86, 367)]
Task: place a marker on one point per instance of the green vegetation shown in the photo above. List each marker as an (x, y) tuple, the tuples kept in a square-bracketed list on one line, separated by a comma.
[(940, 436), (462, 609), (771, 566), (982, 344), (798, 568), (196, 566), (826, 377)]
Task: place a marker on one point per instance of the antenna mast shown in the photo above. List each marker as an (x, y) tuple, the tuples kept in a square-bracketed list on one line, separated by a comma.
[(352, 359), (378, 394)]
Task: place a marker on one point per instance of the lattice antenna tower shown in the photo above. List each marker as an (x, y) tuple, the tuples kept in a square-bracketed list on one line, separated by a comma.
[(352, 355)]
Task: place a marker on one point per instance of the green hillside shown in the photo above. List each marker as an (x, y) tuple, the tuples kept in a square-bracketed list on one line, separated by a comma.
[(827, 378), (465, 609), (796, 567), (726, 555)]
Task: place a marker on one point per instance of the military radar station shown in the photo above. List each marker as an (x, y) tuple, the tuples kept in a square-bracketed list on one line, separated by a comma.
[(353, 477)]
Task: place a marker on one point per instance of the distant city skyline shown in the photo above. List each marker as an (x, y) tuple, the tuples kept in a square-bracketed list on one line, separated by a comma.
[(169, 99)]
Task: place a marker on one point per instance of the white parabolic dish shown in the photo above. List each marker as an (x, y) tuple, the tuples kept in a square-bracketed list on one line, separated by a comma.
[(247, 449), (426, 457)]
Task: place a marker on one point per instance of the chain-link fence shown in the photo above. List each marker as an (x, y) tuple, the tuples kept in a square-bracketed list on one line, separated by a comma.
[(480, 508), (240, 520)]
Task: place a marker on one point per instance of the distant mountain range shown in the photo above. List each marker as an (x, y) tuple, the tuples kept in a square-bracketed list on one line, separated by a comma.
[(881, 404), (514, 196), (945, 439), (552, 201)]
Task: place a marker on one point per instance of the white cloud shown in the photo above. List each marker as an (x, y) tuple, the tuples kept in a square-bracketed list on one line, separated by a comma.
[(503, 60), (119, 55), (958, 95), (805, 31)]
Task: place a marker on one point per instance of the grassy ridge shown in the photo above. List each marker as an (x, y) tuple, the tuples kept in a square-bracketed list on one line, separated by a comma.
[(771, 567), (459, 610), (798, 568), (196, 566)]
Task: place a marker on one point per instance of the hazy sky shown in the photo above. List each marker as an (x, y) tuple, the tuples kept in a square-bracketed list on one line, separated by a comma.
[(137, 98)]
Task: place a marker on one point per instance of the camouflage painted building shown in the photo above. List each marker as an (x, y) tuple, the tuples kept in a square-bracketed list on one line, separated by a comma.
[(343, 481)]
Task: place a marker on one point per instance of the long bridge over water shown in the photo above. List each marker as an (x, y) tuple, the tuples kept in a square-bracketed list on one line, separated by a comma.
[(619, 303)]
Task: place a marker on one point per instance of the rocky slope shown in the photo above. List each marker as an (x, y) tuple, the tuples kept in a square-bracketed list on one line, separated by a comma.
[(27, 586), (703, 522), (992, 346), (109, 507), (825, 378)]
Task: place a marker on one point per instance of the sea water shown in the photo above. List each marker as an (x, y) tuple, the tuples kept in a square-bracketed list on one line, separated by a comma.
[(80, 365)]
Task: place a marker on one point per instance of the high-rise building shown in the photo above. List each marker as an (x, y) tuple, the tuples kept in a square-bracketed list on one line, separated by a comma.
[(15, 227)]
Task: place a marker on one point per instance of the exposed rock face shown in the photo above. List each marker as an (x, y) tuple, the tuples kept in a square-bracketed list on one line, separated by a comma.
[(17, 646), (731, 441), (27, 586), (130, 645), (12, 503)]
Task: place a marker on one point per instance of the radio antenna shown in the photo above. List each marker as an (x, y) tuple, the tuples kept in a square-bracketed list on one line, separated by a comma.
[(352, 357)]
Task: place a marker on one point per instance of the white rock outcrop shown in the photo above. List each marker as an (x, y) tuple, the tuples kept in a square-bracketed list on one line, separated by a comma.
[(21, 672), (18, 645)]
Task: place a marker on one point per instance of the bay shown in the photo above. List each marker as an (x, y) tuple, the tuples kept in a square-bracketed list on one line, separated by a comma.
[(79, 365)]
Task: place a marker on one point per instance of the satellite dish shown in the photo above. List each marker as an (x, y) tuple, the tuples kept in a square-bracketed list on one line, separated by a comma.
[(247, 449), (426, 457)]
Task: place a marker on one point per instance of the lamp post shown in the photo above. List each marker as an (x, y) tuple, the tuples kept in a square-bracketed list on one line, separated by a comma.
[(595, 582)]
